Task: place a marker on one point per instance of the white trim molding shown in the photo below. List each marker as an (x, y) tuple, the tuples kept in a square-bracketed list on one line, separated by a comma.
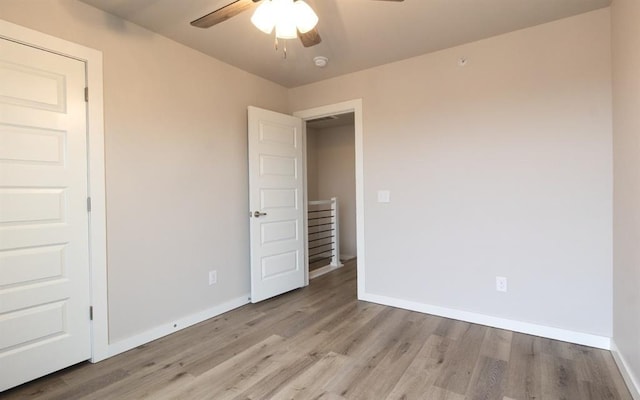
[(172, 327), (95, 139), (323, 270), (564, 335), (632, 381)]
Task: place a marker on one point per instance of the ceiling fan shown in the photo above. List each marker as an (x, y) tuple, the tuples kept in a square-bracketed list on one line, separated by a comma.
[(308, 37)]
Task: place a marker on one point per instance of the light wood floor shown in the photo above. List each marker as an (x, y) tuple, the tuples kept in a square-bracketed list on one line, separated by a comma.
[(321, 343)]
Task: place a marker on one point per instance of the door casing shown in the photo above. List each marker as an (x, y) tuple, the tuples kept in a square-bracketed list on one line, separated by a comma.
[(354, 106)]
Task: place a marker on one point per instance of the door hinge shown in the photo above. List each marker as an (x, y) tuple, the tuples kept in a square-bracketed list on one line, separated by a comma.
[(88, 204), (91, 313), (86, 94)]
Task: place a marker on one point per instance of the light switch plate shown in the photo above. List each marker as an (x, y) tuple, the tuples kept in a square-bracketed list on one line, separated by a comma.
[(384, 196)]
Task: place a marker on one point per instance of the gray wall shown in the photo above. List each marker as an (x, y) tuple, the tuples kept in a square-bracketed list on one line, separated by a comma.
[(626, 223), (312, 164), (502, 167)]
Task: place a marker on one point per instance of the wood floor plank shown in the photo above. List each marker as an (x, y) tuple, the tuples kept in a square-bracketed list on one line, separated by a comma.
[(346, 324), (311, 384), (617, 382), (368, 348), (451, 328), (595, 375), (289, 360), (314, 317), (360, 335), (423, 370), (207, 354), (139, 384), (497, 344), (403, 349), (559, 381), (46, 386), (488, 379), (593, 391), (321, 343), (236, 373), (286, 372), (436, 393), (524, 375), (461, 361)]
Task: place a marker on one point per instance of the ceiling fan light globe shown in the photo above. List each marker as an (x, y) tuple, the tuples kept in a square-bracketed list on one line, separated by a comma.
[(264, 17), (286, 29), (306, 19), (286, 16), (285, 19)]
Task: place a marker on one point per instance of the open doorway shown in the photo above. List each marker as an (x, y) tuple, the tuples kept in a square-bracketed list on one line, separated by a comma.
[(279, 212), (331, 192), (355, 107)]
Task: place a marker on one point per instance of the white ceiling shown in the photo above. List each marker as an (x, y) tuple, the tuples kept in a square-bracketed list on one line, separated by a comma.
[(356, 34)]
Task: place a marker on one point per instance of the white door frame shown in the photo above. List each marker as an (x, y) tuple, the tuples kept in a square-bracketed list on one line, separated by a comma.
[(96, 173), (354, 106)]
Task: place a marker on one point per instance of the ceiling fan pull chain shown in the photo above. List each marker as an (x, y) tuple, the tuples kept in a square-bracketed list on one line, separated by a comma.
[(284, 47)]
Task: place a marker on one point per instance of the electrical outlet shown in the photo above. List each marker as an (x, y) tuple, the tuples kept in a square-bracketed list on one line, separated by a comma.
[(384, 196), (501, 284), (213, 277)]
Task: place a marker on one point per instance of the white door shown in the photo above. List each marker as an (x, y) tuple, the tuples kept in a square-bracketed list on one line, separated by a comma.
[(276, 203), (44, 253)]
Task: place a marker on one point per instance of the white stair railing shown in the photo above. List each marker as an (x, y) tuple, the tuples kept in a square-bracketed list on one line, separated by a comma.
[(324, 232)]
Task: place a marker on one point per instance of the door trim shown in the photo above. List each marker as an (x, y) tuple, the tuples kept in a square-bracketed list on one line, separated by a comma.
[(354, 106), (96, 171)]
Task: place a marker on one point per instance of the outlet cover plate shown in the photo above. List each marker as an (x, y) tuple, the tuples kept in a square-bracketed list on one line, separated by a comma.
[(213, 277), (384, 196), (501, 284)]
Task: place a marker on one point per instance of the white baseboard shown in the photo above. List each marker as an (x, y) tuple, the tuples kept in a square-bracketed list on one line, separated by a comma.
[(346, 257), (323, 270), (632, 381), (601, 342), (164, 330)]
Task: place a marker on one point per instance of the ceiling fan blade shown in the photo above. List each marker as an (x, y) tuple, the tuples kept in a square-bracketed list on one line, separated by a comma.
[(224, 13), (310, 38)]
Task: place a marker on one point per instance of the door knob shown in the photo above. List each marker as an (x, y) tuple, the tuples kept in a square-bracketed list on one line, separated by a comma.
[(258, 214)]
